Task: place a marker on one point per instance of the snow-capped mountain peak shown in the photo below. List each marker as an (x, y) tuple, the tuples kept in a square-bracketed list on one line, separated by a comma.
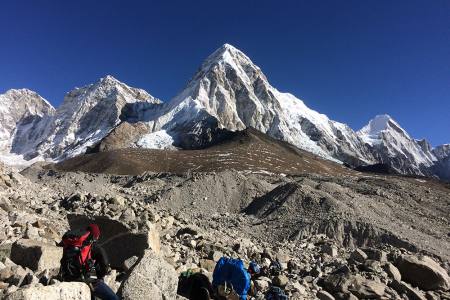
[(230, 90), (19, 106), (442, 151), (105, 89), (234, 58), (391, 144), (86, 116), (226, 52), (380, 123), (25, 100)]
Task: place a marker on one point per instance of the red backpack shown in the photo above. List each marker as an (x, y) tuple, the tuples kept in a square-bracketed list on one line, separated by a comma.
[(77, 262)]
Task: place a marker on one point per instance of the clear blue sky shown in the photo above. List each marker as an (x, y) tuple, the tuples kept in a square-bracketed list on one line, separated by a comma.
[(348, 59)]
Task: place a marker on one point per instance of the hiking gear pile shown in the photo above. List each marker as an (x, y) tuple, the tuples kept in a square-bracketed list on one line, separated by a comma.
[(84, 261)]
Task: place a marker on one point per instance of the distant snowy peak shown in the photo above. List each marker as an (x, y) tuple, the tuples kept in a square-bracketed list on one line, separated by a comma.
[(372, 132), (442, 165), (16, 105), (442, 151), (108, 94), (392, 145), (107, 89), (20, 102), (19, 106)]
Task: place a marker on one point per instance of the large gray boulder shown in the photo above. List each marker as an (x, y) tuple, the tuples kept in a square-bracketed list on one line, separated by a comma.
[(36, 255), (423, 272), (152, 278), (59, 291)]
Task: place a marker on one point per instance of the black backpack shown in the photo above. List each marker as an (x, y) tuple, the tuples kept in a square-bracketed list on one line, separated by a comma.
[(76, 263)]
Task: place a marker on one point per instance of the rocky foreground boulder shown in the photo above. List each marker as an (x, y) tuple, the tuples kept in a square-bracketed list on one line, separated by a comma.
[(59, 291)]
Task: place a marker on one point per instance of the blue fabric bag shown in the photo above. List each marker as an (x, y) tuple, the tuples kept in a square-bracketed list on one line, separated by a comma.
[(232, 271)]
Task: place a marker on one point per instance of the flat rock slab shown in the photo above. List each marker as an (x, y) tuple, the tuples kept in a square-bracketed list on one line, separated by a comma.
[(367, 289)]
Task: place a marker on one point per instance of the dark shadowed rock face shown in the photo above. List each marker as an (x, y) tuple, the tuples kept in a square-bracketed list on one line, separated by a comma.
[(199, 134)]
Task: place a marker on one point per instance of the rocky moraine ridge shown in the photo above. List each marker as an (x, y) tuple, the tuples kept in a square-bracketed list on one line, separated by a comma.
[(326, 232)]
